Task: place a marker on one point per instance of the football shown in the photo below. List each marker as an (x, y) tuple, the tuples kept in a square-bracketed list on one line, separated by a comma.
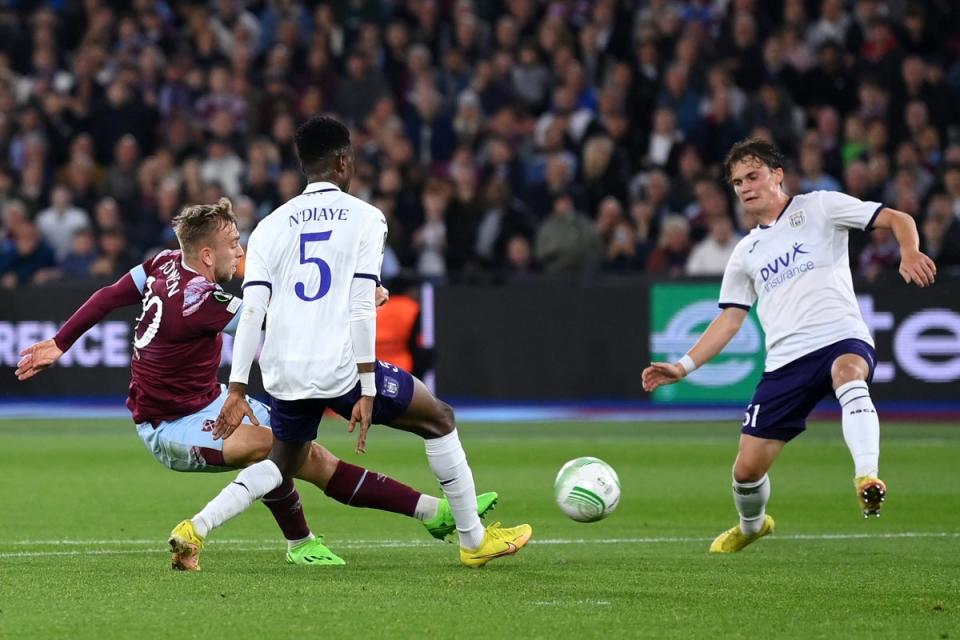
[(587, 489)]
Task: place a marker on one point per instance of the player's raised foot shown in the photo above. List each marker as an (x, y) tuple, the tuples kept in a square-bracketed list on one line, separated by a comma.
[(185, 545), (313, 552), (871, 492), (497, 542), (733, 539), (442, 525)]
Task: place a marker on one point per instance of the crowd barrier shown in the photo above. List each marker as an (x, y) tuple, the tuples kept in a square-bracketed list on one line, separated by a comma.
[(545, 341)]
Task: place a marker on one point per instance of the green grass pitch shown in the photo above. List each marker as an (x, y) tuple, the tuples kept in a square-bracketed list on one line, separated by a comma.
[(86, 510)]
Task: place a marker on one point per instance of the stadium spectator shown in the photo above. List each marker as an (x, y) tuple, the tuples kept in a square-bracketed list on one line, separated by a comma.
[(813, 177), (83, 252), (566, 242), (25, 256), (710, 256), (58, 222), (430, 239), (673, 248), (519, 264), (588, 101)]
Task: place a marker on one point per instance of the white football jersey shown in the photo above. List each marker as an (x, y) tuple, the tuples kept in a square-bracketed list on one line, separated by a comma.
[(798, 271), (309, 251)]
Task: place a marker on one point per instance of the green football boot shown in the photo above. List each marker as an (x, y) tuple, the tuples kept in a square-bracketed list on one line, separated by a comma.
[(313, 552), (442, 524)]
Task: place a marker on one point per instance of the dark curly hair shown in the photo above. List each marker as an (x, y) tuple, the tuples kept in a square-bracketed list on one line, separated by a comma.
[(321, 138), (764, 152)]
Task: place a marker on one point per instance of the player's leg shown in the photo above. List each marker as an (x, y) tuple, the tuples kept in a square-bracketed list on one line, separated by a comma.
[(187, 444), (359, 487), (751, 483), (249, 445), (751, 492), (434, 420), (254, 482), (776, 414), (861, 426), (251, 484)]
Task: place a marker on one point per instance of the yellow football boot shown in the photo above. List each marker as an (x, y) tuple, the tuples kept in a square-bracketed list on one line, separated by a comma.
[(497, 542), (871, 492), (733, 540), (186, 545)]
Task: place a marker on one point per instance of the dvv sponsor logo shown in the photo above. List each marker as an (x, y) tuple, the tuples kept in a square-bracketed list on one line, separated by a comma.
[(786, 266)]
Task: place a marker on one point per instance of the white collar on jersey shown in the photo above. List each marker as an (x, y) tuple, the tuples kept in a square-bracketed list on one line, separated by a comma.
[(314, 187)]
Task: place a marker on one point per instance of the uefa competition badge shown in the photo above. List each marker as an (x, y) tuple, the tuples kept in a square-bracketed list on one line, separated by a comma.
[(679, 314)]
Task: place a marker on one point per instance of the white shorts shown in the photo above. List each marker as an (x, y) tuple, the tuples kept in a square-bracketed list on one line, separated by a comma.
[(187, 444)]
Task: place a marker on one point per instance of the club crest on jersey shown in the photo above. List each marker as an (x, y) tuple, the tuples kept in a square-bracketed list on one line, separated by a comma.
[(797, 219), (391, 387)]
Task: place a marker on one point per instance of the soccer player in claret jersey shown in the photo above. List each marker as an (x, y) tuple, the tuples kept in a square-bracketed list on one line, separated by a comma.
[(795, 266), (312, 267), (175, 397)]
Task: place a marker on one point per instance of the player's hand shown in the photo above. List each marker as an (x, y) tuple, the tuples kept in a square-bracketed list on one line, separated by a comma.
[(232, 413), (918, 268), (661, 373), (362, 413), (381, 296), (36, 358)]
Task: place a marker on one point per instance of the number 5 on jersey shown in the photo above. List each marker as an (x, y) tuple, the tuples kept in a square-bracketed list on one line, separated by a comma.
[(322, 266)]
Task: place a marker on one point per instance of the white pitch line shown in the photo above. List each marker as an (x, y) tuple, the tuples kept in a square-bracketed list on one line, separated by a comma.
[(272, 545)]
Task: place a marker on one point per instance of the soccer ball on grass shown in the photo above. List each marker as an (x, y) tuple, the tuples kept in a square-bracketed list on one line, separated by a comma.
[(587, 489)]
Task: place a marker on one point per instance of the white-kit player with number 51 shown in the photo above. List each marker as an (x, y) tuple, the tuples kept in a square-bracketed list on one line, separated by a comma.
[(795, 266), (312, 269)]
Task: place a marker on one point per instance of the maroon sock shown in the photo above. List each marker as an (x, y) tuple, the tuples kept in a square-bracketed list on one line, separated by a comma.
[(284, 504), (359, 487)]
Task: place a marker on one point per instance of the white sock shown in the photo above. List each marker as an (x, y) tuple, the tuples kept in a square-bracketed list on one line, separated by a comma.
[(251, 484), (449, 464), (426, 508), (861, 427), (751, 500), (292, 543)]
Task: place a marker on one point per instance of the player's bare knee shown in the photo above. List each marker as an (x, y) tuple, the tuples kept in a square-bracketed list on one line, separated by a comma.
[(323, 461), (847, 370), (745, 474), (260, 451), (252, 451), (441, 421), (446, 422)]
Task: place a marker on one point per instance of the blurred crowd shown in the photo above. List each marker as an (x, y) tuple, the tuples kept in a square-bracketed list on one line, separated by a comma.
[(502, 139)]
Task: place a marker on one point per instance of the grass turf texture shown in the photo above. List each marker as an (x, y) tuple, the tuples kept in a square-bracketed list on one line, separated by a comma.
[(644, 572)]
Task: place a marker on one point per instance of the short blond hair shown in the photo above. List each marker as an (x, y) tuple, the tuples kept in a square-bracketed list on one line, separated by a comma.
[(195, 223)]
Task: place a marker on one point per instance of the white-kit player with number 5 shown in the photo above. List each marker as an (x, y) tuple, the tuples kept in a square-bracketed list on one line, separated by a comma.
[(795, 266), (312, 269)]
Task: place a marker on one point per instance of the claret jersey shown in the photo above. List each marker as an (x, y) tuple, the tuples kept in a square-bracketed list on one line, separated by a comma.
[(176, 341), (797, 270)]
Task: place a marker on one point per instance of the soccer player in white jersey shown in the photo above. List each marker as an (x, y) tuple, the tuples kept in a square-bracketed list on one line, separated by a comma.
[(795, 266), (175, 397), (312, 268)]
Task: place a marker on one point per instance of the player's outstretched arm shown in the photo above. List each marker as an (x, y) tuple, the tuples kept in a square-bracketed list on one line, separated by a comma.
[(41, 355), (915, 266), (365, 297), (235, 408), (36, 358), (363, 335), (712, 342)]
